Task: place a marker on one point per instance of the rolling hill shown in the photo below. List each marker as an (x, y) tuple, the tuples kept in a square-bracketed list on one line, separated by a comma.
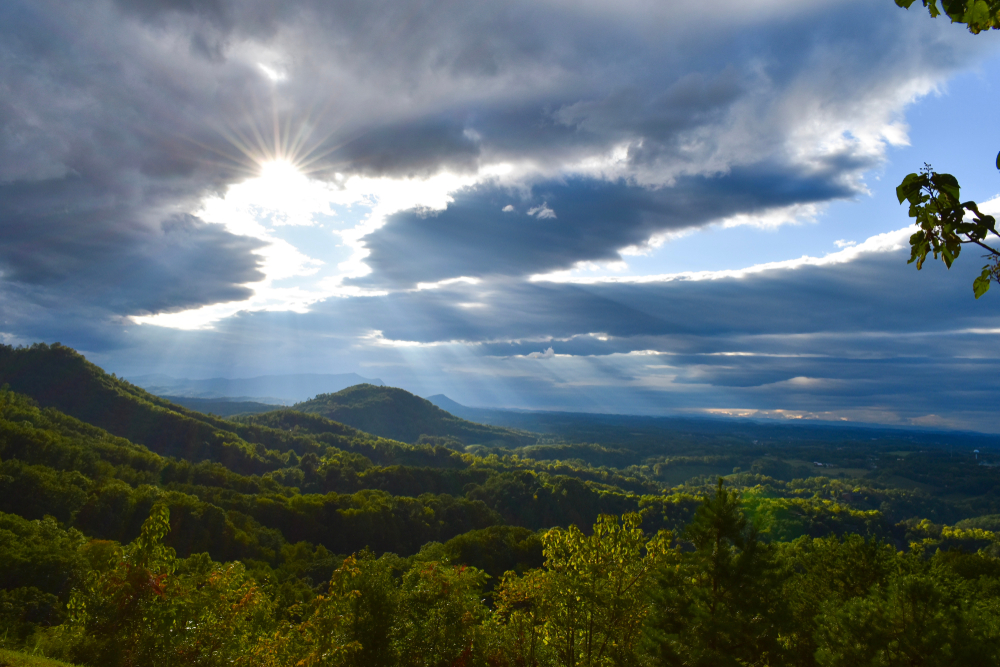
[(395, 413)]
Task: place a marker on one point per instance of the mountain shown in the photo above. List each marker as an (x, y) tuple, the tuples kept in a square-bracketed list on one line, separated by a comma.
[(398, 414), (58, 377), (273, 389), (448, 405)]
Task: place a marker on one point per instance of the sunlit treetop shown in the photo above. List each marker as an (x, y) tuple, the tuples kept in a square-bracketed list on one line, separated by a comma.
[(978, 15)]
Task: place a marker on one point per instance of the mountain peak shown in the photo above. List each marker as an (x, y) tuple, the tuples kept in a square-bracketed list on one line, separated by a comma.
[(396, 413)]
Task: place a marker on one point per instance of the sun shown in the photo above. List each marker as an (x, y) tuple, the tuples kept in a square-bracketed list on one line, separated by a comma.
[(279, 187)]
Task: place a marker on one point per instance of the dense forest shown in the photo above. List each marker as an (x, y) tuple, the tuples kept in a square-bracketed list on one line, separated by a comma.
[(134, 531)]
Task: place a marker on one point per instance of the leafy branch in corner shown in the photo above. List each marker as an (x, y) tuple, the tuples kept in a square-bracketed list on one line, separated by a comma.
[(936, 204), (978, 15), (934, 198)]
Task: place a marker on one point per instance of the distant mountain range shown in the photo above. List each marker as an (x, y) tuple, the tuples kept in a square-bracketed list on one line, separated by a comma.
[(267, 389), (223, 407), (640, 430)]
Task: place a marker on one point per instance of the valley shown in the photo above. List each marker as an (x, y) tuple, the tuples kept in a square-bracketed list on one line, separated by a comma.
[(293, 494)]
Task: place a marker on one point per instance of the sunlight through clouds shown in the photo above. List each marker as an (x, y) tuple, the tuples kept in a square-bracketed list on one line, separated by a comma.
[(283, 196)]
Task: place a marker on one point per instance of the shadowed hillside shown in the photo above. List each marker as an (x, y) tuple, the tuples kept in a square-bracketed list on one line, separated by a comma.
[(398, 414), (59, 377)]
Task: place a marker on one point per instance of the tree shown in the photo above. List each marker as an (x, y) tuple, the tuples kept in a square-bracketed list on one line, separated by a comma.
[(141, 605), (925, 617), (723, 604), (441, 615), (934, 198), (586, 608)]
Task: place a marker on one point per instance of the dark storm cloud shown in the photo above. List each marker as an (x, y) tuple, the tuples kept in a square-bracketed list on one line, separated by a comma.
[(117, 116), (98, 175), (587, 220), (874, 339), (413, 149)]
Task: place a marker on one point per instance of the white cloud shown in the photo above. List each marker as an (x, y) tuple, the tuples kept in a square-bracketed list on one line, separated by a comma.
[(450, 281), (773, 218), (547, 354), (888, 242), (991, 206), (542, 211)]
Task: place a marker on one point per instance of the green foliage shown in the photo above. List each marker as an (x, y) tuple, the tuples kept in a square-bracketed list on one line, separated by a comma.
[(114, 554), (588, 605), (26, 609), (727, 598), (39, 554), (722, 603), (141, 606), (977, 15), (934, 198), (936, 205), (56, 376), (496, 550), (926, 618)]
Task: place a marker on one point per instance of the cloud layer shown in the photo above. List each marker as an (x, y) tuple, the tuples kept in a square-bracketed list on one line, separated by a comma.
[(468, 148)]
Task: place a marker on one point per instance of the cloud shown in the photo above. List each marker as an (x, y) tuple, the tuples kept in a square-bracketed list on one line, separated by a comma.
[(542, 212), (826, 341), (880, 243), (428, 127), (149, 108), (597, 220)]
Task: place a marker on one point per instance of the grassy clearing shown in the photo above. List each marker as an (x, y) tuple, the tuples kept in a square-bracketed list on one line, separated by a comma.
[(14, 659)]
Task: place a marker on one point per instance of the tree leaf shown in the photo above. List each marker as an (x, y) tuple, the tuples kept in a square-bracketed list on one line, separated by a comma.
[(981, 285), (911, 184), (948, 184)]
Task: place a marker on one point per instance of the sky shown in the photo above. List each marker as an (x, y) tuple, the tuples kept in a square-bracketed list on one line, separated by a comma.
[(627, 207)]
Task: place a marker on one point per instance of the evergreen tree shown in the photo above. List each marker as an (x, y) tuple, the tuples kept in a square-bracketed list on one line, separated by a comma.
[(722, 604)]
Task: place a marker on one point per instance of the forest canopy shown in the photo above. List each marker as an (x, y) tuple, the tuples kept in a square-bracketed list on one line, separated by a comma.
[(136, 532)]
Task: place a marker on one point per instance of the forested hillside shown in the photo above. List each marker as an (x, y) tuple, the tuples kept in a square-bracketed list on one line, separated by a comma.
[(398, 414), (137, 532)]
